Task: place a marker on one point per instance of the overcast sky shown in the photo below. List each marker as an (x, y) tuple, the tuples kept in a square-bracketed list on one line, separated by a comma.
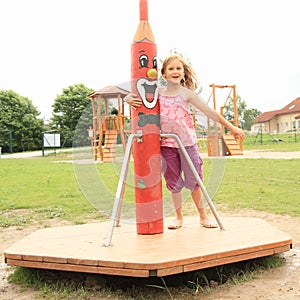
[(47, 45)]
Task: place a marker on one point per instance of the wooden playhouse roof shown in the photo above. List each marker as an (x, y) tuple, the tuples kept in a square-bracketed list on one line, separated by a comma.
[(110, 92)]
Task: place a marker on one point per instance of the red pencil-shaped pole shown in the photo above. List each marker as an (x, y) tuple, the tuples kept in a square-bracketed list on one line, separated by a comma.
[(145, 120)]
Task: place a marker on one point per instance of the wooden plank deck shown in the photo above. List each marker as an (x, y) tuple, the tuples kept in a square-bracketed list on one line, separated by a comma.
[(80, 248)]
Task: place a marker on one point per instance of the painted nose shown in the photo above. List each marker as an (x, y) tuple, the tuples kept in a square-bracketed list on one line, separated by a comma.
[(152, 73)]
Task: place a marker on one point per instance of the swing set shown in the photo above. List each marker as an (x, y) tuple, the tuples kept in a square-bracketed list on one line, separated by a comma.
[(220, 143)]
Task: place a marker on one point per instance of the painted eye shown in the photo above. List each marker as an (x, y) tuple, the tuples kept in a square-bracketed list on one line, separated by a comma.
[(154, 62), (144, 61)]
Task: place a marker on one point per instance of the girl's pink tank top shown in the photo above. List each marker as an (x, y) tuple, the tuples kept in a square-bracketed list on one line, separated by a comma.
[(175, 117)]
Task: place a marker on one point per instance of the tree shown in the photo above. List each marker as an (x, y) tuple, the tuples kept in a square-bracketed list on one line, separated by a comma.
[(245, 116), (68, 108), (20, 116), (229, 110), (249, 116)]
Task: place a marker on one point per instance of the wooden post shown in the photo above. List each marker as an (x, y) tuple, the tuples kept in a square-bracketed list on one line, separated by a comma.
[(100, 129), (94, 141), (213, 139), (235, 111)]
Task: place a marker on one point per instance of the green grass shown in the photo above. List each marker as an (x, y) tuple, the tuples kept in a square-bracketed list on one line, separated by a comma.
[(47, 188), (40, 188), (264, 184), (36, 183), (272, 142)]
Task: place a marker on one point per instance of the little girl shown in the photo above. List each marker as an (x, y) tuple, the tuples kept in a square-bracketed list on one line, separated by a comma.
[(175, 117)]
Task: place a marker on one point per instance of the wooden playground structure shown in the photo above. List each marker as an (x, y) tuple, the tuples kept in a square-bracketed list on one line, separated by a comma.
[(106, 126), (220, 143)]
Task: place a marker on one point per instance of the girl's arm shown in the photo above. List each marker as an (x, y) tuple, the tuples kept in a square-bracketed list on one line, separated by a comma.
[(199, 103), (133, 101)]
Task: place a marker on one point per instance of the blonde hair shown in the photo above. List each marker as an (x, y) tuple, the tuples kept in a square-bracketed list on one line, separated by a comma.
[(190, 79)]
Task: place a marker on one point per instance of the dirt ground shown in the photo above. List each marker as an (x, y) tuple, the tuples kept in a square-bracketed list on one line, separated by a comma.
[(279, 283)]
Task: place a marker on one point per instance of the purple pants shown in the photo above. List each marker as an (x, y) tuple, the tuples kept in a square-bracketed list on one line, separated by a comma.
[(174, 165)]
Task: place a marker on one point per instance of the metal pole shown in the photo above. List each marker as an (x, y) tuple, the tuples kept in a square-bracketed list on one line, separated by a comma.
[(204, 191), (122, 181), (54, 145), (43, 152), (10, 141)]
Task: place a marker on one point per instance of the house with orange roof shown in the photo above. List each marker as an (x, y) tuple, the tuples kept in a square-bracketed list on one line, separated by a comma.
[(279, 121)]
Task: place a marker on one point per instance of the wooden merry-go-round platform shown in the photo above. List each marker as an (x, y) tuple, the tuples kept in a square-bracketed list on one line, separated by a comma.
[(80, 248)]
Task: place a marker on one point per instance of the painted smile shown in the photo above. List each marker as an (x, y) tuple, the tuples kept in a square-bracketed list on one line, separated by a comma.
[(148, 92)]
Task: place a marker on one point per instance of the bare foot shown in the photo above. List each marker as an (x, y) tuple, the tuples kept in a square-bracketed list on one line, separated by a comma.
[(175, 224), (208, 223)]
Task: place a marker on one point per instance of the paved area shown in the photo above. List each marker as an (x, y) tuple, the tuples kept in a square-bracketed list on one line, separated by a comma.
[(268, 154), (32, 154), (246, 154), (262, 154)]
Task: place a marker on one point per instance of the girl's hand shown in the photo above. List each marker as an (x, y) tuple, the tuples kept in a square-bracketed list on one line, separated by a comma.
[(238, 133), (133, 101)]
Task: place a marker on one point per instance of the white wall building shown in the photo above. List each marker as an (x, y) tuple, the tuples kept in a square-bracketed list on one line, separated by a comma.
[(279, 121)]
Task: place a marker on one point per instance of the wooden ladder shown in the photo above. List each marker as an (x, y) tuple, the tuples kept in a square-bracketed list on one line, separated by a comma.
[(232, 145), (109, 149)]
